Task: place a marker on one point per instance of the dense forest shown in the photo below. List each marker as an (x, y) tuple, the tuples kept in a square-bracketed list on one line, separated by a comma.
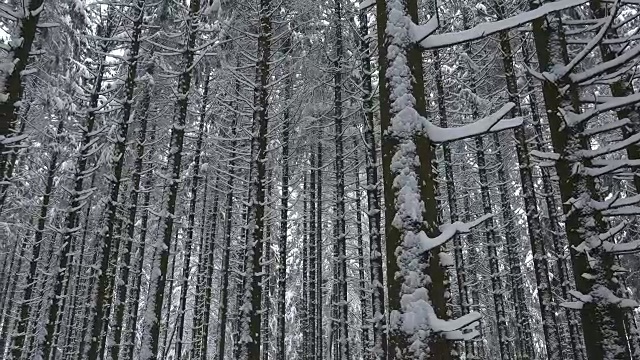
[(319, 179)]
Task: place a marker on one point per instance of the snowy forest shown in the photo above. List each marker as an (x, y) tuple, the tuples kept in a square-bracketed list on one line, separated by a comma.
[(319, 179)]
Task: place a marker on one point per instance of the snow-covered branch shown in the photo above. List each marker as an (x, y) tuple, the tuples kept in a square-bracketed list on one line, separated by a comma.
[(489, 28), (448, 231), (491, 123), (366, 4)]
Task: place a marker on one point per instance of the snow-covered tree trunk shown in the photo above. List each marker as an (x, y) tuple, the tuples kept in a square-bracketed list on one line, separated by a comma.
[(204, 287), (175, 167), (284, 214), (223, 301), (379, 335), (84, 168), (250, 314), (312, 352), (193, 202), (142, 151), (110, 242), (14, 64), (319, 330), (340, 240), (555, 231), (303, 353), (593, 259), (364, 291), (460, 267), (18, 341)]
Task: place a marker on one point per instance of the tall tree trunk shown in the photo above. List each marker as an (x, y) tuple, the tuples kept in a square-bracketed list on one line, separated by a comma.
[(364, 293), (175, 166), (142, 151), (304, 318), (602, 321), (378, 309), (314, 328), (460, 266), (226, 249), (251, 315), (11, 78), (555, 230), (406, 181), (284, 216), (340, 241), (18, 341), (106, 279), (319, 331), (204, 287), (83, 169), (186, 263)]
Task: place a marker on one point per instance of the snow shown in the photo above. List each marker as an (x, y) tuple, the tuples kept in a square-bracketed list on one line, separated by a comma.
[(366, 4), (573, 119), (612, 147), (446, 260), (491, 123), (580, 296), (622, 248), (485, 29), (575, 305), (439, 325), (448, 231), (420, 32), (545, 155), (606, 66)]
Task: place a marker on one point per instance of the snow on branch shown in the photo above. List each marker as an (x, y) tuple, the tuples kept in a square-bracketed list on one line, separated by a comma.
[(615, 202), (419, 314), (606, 66), (613, 125), (448, 231), (573, 119), (447, 326), (623, 211), (489, 28), (366, 4), (467, 333), (611, 148), (551, 156), (603, 170), (567, 69), (421, 32), (599, 294), (491, 123), (622, 248), (607, 245)]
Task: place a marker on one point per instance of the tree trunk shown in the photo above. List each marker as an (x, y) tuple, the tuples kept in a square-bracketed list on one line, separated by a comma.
[(314, 328), (250, 319), (175, 166), (23, 323), (602, 321), (226, 257), (11, 82), (106, 279), (186, 263), (284, 216), (379, 350), (340, 240)]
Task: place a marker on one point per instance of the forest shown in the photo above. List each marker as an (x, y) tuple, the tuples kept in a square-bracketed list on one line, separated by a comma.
[(319, 179)]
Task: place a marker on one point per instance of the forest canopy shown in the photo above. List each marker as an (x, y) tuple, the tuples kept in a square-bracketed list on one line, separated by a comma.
[(343, 180)]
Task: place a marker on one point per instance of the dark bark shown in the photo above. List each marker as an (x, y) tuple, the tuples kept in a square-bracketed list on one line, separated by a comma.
[(175, 166), (106, 278)]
